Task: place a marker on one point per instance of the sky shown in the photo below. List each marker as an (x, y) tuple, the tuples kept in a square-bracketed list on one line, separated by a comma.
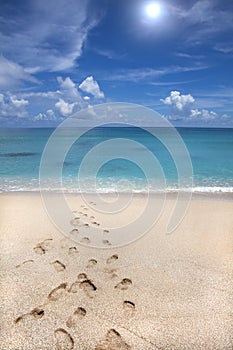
[(60, 56)]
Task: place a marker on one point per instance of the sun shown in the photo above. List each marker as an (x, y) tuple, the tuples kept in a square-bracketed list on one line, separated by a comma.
[(153, 10)]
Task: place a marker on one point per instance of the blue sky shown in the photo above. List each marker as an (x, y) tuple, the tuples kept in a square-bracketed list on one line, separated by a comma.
[(59, 56)]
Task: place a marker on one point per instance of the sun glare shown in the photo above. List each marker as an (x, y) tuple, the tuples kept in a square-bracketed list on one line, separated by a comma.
[(153, 10)]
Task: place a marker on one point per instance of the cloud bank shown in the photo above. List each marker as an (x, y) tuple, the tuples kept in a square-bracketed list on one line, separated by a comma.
[(54, 106), (182, 108)]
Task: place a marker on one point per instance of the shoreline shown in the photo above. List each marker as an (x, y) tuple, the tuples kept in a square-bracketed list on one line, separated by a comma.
[(228, 196)]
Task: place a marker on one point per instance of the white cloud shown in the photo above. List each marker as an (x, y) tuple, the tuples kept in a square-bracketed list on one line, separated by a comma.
[(50, 34), (10, 106), (67, 97), (18, 102), (66, 84), (181, 108), (64, 108), (209, 18), (140, 74), (91, 111), (70, 99), (111, 55), (203, 114), (226, 48), (43, 95), (12, 74), (188, 56), (64, 101), (226, 117), (183, 55), (50, 113), (178, 102), (48, 116), (68, 89), (169, 83), (90, 86), (200, 12)]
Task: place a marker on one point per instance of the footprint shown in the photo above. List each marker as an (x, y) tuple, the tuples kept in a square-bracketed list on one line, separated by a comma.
[(88, 287), (78, 314), (124, 284), (64, 341), (37, 313), (105, 231), (83, 214), (91, 263), (85, 225), (42, 247), (39, 250), (47, 242), (75, 221), (92, 217), (24, 262), (58, 266), (85, 240), (75, 231), (95, 223), (82, 276), (74, 287), (112, 272), (129, 307), (20, 318), (106, 242), (58, 292), (113, 341), (112, 259), (72, 250), (64, 242)]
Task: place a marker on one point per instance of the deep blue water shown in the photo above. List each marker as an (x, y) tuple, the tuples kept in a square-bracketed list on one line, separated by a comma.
[(210, 150)]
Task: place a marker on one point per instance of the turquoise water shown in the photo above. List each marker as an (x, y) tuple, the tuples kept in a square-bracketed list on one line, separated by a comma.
[(210, 150)]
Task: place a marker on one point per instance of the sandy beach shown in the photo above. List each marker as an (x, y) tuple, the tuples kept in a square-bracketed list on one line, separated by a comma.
[(160, 292)]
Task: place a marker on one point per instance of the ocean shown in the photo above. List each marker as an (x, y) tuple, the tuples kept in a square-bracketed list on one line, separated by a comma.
[(210, 149)]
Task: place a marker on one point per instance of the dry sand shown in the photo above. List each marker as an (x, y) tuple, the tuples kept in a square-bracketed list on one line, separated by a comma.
[(160, 292)]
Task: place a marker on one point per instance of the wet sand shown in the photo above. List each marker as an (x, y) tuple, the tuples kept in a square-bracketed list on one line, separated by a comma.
[(159, 292)]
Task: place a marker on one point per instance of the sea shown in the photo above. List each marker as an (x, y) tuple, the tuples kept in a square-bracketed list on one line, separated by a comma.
[(210, 151)]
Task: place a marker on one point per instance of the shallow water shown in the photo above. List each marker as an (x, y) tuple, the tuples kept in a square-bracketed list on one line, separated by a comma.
[(210, 152)]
